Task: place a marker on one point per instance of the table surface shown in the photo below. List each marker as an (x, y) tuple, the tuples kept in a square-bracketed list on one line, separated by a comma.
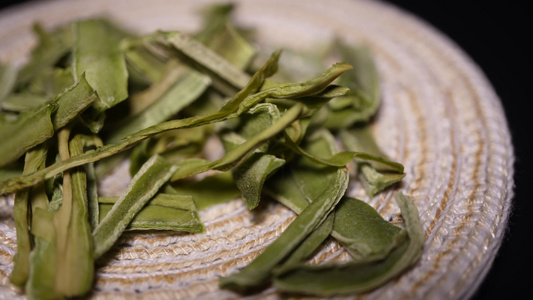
[(496, 38)]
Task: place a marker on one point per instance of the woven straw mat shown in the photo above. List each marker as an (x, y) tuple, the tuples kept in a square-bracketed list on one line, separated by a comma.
[(439, 117)]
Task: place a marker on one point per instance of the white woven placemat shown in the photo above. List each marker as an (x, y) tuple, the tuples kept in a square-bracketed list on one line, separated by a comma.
[(440, 118)]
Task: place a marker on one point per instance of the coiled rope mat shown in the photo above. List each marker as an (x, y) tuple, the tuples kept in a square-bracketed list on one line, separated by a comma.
[(440, 118)]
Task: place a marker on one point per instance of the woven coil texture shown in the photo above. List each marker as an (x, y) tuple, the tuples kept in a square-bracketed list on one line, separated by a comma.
[(439, 117)]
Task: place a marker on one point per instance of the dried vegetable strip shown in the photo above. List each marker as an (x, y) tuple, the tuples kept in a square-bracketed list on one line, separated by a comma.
[(98, 91)]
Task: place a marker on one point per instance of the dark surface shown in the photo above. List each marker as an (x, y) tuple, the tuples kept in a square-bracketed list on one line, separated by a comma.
[(494, 34)]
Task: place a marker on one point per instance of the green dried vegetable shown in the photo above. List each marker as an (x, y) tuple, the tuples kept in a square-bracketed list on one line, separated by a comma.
[(214, 17), (305, 179), (172, 73), (309, 246), (8, 76), (236, 155), (226, 77), (99, 92), (210, 102), (260, 270), (174, 145), (163, 212), (184, 91), (10, 171), (44, 87), (222, 189), (34, 160), (38, 125), (21, 102), (86, 143), (240, 103), (358, 276), (363, 232), (52, 46), (143, 67), (25, 132), (41, 283), (72, 102), (342, 158), (97, 53), (250, 176), (220, 35), (74, 242), (92, 196), (364, 98), (375, 177), (144, 185)]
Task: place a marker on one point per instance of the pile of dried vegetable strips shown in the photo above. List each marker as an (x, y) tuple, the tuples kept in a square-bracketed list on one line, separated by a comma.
[(93, 95)]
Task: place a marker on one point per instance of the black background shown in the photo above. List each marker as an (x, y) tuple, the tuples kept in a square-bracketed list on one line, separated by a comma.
[(495, 35)]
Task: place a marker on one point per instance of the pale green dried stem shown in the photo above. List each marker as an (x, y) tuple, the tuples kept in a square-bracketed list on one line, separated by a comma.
[(62, 216), (75, 268), (41, 283), (237, 154), (172, 73), (184, 91), (34, 160), (342, 158), (207, 60), (92, 194)]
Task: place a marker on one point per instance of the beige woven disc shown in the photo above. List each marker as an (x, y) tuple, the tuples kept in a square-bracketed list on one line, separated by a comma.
[(439, 117)]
